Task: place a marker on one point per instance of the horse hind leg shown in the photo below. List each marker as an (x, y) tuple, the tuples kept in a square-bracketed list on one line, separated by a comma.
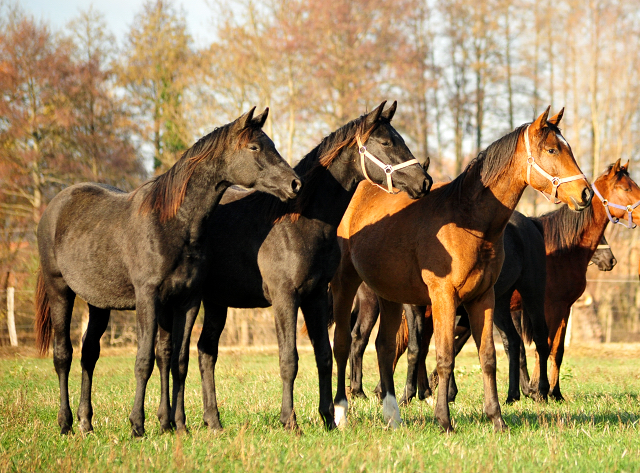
[(369, 310), (390, 317), (414, 316), (511, 341), (215, 318), (98, 321), (481, 321), (61, 299), (163, 360)]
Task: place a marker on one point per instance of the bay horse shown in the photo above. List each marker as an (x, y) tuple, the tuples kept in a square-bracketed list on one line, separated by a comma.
[(365, 314), (575, 238), (271, 254), (445, 249), (143, 250)]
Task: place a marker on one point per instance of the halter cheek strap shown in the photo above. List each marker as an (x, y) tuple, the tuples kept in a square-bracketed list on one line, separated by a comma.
[(387, 168), (612, 219), (555, 181)]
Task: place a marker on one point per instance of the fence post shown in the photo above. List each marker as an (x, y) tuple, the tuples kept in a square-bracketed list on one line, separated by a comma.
[(11, 318)]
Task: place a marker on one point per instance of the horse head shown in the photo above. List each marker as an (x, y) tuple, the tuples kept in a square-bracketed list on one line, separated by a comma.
[(603, 256), (385, 159), (551, 167), (253, 160), (619, 194)]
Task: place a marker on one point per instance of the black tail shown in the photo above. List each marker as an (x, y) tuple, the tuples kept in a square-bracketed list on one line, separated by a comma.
[(43, 317)]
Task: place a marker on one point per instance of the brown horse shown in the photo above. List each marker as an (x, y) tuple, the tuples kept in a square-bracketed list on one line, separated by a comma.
[(575, 238), (445, 249)]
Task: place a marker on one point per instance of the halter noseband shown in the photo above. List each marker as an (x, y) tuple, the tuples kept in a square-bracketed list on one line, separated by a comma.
[(555, 181), (387, 168), (612, 219)]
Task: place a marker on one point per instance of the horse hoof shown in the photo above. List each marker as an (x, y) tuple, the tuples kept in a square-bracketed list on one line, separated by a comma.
[(137, 432), (66, 430), (499, 425), (511, 400), (358, 394), (394, 424), (85, 427)]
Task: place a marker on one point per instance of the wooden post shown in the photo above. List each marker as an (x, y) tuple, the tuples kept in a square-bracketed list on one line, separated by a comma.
[(11, 318)]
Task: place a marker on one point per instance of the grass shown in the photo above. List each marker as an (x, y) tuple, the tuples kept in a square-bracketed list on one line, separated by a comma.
[(597, 429)]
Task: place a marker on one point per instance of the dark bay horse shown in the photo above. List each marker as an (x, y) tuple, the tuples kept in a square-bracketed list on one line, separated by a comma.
[(445, 249), (144, 250), (269, 254), (574, 238)]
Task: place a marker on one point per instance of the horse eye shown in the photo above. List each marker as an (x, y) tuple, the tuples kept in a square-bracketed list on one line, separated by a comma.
[(552, 151), (253, 148), (386, 143)]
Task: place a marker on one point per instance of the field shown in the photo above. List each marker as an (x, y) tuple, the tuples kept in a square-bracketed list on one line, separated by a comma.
[(597, 429)]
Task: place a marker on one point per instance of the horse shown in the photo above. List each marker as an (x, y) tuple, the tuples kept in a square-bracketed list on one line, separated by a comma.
[(619, 203), (364, 315), (144, 250), (445, 249), (284, 255), (523, 268)]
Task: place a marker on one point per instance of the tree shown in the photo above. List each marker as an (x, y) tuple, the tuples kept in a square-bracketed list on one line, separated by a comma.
[(155, 74)]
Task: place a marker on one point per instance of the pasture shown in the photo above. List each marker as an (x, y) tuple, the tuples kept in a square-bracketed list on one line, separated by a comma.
[(597, 429)]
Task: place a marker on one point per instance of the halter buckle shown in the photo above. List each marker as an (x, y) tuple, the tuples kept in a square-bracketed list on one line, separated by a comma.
[(530, 160), (388, 169), (605, 202), (362, 150), (629, 209), (555, 181)]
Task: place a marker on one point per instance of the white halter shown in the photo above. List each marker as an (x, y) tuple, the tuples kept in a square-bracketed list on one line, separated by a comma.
[(555, 181), (612, 219), (387, 168)]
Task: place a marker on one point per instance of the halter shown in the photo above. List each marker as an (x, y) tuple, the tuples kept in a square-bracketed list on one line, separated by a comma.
[(387, 168), (555, 181), (612, 219)]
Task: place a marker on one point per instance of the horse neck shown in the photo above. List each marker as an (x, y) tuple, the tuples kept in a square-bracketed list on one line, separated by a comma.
[(488, 208), (592, 233), (334, 189), (204, 191)]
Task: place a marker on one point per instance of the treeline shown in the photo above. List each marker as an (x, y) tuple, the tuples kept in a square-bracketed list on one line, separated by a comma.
[(79, 104)]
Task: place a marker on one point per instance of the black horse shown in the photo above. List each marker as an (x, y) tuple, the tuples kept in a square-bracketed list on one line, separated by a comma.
[(144, 250), (270, 254)]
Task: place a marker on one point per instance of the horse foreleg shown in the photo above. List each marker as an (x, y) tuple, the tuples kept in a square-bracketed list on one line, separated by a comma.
[(390, 317), (147, 309), (215, 317), (343, 287), (61, 304), (511, 341), (556, 355), (315, 309), (285, 309), (368, 311), (414, 316), (98, 321), (444, 320), (182, 327), (163, 360), (481, 320), (425, 389)]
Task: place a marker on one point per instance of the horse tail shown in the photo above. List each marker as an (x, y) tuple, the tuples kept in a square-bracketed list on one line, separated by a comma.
[(402, 338), (527, 328), (43, 316)]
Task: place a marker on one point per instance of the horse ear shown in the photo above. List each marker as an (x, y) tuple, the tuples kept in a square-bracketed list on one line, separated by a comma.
[(626, 165), (391, 111), (244, 120), (374, 115), (555, 120), (615, 168), (260, 119), (541, 121)]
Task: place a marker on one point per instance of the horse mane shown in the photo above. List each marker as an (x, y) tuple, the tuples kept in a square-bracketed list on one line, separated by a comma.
[(313, 166), (492, 162), (563, 228), (166, 192)]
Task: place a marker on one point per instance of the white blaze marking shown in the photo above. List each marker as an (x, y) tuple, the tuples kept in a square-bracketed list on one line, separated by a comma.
[(562, 140), (391, 412), (340, 410)]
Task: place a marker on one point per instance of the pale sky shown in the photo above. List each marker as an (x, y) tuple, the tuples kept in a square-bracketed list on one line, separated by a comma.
[(119, 14)]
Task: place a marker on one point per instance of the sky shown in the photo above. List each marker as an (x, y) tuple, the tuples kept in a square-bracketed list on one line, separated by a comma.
[(119, 14)]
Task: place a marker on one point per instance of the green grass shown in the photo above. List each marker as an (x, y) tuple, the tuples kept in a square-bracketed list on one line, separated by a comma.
[(597, 429)]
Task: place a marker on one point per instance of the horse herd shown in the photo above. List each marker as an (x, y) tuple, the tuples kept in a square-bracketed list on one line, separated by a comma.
[(186, 237)]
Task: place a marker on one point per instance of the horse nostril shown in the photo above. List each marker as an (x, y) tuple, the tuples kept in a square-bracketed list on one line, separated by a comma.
[(296, 185), (613, 262), (587, 194)]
